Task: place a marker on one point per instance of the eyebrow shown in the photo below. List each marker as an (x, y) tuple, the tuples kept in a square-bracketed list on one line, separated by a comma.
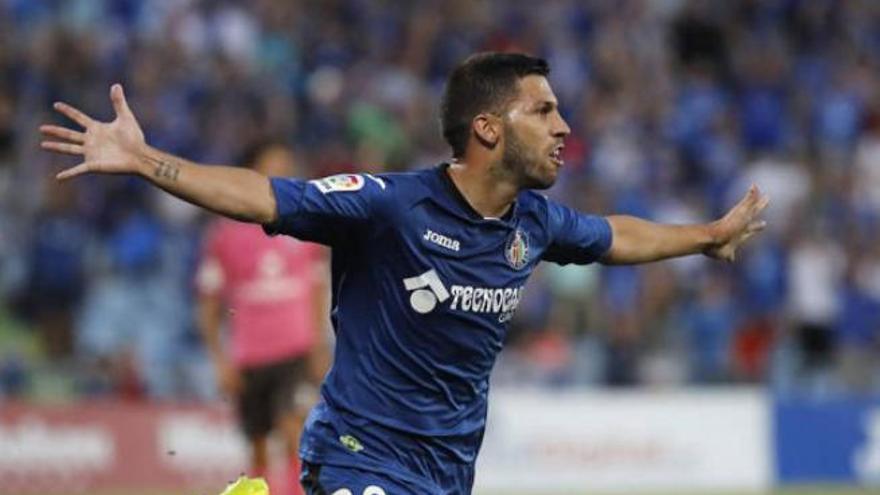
[(546, 104)]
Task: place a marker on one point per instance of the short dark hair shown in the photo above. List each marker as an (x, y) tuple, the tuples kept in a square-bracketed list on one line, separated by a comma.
[(483, 82)]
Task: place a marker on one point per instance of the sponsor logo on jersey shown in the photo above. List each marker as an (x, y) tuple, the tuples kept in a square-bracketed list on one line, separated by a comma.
[(517, 250), (441, 240), (429, 290), (487, 300), (339, 183)]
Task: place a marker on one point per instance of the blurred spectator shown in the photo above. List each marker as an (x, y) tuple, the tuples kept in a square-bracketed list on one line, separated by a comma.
[(55, 276), (813, 306), (711, 322), (858, 326)]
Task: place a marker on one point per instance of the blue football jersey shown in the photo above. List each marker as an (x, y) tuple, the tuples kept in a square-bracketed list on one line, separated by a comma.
[(423, 289)]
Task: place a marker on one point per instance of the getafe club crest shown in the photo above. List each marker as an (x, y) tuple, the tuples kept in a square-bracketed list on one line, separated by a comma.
[(517, 250)]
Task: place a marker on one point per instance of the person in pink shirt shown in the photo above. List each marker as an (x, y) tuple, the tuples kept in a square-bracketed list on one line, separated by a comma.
[(271, 294)]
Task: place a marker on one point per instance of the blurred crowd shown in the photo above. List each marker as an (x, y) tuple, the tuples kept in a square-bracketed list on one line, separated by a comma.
[(676, 107)]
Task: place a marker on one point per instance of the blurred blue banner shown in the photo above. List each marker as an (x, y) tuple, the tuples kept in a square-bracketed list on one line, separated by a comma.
[(827, 441)]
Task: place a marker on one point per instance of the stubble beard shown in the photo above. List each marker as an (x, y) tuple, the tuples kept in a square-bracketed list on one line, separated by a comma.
[(519, 164)]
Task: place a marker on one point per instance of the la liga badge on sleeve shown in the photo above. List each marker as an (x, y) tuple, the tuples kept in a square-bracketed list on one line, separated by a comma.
[(339, 183)]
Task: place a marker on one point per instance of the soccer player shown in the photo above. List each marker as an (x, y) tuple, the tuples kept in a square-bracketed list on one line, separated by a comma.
[(427, 267), (271, 289)]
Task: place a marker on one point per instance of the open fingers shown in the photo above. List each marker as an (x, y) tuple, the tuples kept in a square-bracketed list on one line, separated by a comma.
[(762, 203), (73, 114), (71, 172), (63, 133), (756, 226), (753, 203), (67, 148), (748, 200), (120, 105), (754, 195), (758, 205)]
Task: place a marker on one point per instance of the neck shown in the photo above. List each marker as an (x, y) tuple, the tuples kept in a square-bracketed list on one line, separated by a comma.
[(490, 196)]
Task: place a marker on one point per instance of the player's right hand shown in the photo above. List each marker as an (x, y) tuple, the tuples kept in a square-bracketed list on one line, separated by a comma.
[(106, 147), (738, 225)]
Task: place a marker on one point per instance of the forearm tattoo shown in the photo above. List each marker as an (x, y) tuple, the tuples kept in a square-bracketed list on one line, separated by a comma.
[(165, 169)]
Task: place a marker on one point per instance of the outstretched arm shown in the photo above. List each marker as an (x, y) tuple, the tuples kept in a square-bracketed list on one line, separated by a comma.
[(639, 241), (118, 147)]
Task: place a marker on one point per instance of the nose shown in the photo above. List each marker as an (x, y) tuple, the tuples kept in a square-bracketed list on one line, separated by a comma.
[(560, 127)]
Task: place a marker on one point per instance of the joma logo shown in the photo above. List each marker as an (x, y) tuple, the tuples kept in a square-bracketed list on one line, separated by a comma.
[(441, 240)]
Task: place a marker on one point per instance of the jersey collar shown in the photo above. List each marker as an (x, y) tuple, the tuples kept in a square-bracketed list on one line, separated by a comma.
[(456, 198)]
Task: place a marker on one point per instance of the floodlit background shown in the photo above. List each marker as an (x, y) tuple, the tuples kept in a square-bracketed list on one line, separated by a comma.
[(687, 376)]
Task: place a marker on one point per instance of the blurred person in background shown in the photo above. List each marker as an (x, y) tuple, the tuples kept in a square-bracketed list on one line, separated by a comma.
[(403, 409), (56, 271), (710, 324), (817, 270), (270, 293), (131, 357)]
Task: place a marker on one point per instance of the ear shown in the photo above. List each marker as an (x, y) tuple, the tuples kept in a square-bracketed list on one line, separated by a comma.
[(487, 128)]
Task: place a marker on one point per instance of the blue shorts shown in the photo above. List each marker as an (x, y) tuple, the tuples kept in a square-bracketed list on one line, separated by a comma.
[(383, 457), (336, 480)]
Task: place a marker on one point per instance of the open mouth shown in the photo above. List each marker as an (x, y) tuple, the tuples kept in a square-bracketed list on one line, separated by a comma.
[(556, 155)]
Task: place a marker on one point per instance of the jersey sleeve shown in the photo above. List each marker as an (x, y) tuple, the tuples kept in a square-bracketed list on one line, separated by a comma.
[(576, 237), (327, 210)]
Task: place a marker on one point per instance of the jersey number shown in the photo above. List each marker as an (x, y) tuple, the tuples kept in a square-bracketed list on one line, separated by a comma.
[(370, 490)]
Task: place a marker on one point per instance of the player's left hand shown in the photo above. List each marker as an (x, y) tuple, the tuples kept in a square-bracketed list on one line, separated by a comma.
[(738, 225)]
